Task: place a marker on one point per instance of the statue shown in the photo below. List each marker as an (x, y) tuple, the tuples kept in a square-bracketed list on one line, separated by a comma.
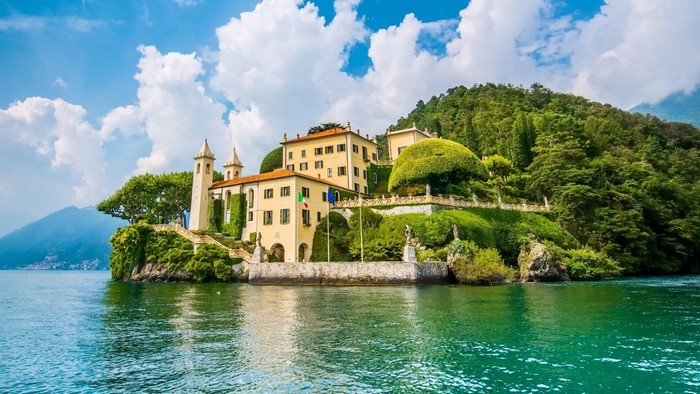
[(427, 189), (258, 240), (409, 251), (455, 231)]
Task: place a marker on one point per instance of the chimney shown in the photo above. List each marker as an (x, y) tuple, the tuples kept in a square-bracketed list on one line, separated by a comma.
[(284, 138), (319, 176), (297, 135), (358, 132)]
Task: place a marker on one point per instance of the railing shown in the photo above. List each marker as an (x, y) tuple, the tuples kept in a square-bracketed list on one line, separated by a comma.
[(201, 239), (430, 199)]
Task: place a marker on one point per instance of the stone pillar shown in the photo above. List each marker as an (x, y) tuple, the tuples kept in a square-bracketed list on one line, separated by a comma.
[(409, 254)]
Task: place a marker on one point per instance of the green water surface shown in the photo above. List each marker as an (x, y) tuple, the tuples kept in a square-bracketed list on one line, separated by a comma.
[(79, 332)]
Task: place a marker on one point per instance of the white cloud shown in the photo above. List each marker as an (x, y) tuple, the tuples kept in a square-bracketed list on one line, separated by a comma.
[(59, 82), (26, 23), (187, 3)]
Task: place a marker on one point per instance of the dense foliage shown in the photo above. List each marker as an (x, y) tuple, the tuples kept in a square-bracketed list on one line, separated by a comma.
[(236, 206), (478, 266), (324, 127), (163, 198), (272, 160), (138, 244), (436, 162), (623, 184)]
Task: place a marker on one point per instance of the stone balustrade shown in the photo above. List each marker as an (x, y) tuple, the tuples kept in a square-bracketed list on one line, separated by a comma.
[(430, 199), (202, 239)]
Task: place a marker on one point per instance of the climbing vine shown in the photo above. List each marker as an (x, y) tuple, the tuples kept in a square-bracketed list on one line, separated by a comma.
[(237, 212), (216, 215)]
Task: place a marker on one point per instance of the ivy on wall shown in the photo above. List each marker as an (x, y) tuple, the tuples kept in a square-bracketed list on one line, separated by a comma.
[(216, 215), (237, 213)]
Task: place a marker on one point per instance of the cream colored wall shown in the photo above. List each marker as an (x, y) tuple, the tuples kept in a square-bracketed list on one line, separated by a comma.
[(348, 159), (400, 140), (290, 235), (199, 205)]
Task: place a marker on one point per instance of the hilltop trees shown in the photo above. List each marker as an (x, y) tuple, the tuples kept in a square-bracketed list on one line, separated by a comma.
[(436, 162)]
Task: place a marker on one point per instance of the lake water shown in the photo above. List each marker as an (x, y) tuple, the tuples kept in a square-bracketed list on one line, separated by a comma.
[(79, 332)]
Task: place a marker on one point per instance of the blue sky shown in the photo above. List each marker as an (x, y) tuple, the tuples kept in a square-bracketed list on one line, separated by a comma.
[(96, 91)]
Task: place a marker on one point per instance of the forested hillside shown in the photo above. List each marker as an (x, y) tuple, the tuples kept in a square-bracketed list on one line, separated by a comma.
[(622, 183)]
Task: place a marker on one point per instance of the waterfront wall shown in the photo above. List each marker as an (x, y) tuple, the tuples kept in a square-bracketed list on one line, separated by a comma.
[(350, 273)]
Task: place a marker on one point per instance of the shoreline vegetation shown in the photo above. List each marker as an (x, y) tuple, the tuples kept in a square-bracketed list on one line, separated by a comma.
[(623, 191)]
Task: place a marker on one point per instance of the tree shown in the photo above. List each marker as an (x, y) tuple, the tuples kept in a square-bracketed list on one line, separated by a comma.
[(436, 162), (272, 161), (324, 127)]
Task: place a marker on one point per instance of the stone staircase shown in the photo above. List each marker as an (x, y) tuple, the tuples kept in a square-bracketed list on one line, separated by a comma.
[(203, 239)]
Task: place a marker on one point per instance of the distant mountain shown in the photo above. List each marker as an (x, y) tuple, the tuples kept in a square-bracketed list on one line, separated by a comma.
[(71, 238), (679, 107)]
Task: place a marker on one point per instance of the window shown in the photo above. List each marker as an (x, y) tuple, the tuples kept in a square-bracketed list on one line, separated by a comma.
[(366, 190), (199, 167), (208, 168), (303, 153), (303, 167), (267, 218), (228, 175), (290, 155), (268, 193), (364, 174), (251, 198), (355, 149), (357, 187), (235, 175), (356, 171), (374, 156), (324, 196), (305, 192), (318, 216), (329, 149), (341, 171), (290, 167), (341, 147), (364, 152), (250, 216), (401, 148), (306, 217), (318, 164), (284, 191), (318, 151), (329, 172), (284, 216)]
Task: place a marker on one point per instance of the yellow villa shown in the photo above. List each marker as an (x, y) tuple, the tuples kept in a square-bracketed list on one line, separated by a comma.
[(285, 205), (398, 140)]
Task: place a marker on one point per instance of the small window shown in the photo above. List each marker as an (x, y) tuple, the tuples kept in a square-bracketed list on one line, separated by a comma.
[(341, 147), (329, 172), (318, 151), (267, 218), (318, 216), (305, 192), (199, 168), (324, 196), (208, 168), (341, 171), (251, 198), (306, 217), (290, 155), (303, 153), (290, 167), (329, 149), (284, 216), (355, 148), (318, 164), (269, 193), (364, 152), (284, 191), (356, 171), (364, 174), (303, 167), (374, 156), (228, 175), (356, 187), (401, 148), (235, 175), (366, 190), (250, 216)]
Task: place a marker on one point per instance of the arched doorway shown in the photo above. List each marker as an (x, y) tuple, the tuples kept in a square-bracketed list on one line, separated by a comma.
[(303, 250), (278, 251)]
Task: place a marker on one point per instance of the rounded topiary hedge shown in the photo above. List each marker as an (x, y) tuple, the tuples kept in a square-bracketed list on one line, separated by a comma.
[(272, 161), (436, 162)]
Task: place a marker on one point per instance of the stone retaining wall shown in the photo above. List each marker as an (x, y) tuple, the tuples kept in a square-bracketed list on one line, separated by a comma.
[(352, 273)]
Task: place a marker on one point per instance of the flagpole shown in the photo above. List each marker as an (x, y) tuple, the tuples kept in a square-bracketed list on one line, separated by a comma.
[(362, 244), (328, 226)]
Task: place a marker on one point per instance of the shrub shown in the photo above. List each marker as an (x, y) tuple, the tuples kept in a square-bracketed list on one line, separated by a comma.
[(338, 239), (479, 266), (272, 161), (427, 256), (128, 249), (588, 264), (205, 260)]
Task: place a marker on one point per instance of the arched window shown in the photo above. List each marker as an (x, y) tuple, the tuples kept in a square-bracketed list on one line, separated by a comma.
[(228, 175), (337, 195), (208, 168), (199, 167), (251, 198), (235, 175)]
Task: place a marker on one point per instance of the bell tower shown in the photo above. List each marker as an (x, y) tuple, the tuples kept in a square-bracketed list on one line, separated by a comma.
[(201, 181), (233, 168)]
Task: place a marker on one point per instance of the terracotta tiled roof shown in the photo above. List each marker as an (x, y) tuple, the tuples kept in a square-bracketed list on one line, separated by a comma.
[(276, 174), (325, 133)]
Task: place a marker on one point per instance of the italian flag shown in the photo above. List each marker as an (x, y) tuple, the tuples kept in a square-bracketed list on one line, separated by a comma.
[(303, 200)]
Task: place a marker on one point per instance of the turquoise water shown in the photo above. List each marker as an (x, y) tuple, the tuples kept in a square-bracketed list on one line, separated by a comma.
[(79, 332)]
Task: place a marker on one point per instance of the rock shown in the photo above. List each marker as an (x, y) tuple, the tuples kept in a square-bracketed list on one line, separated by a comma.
[(159, 273), (537, 265)]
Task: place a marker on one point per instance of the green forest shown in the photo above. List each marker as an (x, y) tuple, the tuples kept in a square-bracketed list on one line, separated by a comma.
[(621, 183)]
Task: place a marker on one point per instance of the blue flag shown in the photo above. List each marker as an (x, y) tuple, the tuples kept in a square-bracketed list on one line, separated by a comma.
[(331, 197)]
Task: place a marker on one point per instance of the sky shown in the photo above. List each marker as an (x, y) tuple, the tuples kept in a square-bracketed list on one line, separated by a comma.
[(96, 91)]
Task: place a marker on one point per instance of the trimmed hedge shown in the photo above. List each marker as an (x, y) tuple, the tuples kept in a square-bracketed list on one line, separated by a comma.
[(272, 161)]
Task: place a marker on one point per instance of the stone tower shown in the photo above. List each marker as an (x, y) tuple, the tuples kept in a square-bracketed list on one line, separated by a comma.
[(233, 168), (201, 181)]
